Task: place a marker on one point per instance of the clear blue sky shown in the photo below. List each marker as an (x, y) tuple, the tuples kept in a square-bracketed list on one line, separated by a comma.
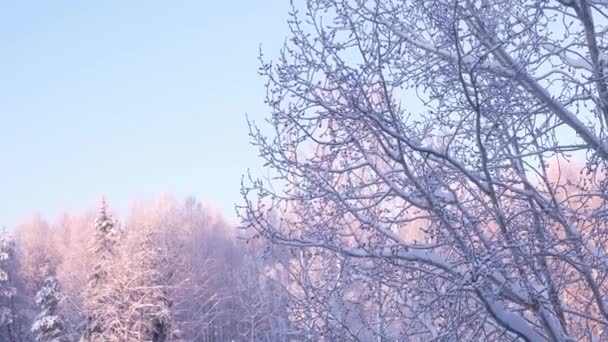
[(129, 99)]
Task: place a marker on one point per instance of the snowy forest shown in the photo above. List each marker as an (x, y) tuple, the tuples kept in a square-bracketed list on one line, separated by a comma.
[(172, 271), (437, 171)]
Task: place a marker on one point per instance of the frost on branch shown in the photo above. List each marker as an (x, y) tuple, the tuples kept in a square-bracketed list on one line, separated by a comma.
[(426, 145)]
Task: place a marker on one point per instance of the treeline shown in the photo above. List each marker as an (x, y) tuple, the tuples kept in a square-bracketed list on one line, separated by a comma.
[(171, 271), (177, 271)]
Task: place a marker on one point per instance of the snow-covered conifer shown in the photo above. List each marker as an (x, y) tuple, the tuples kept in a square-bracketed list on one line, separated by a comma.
[(8, 331), (49, 325), (98, 294)]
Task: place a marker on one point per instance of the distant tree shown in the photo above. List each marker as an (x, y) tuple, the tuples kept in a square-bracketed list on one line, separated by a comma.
[(36, 253), (192, 243), (253, 301), (150, 303), (138, 293), (72, 235), (48, 325), (8, 291), (98, 295)]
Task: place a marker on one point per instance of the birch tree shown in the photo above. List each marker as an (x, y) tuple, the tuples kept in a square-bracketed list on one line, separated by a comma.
[(455, 117), (138, 305)]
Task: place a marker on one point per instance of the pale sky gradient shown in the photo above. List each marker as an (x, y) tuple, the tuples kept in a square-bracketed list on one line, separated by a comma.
[(129, 99)]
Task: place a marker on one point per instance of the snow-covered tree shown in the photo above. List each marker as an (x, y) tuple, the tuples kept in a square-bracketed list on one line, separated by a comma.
[(71, 237), (103, 245), (196, 250), (8, 316), (98, 295), (36, 253), (254, 301), (48, 325), (433, 137), (150, 302), (177, 273), (140, 290)]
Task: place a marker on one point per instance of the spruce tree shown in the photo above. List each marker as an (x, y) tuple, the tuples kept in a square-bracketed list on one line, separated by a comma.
[(98, 294), (7, 290), (49, 326)]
